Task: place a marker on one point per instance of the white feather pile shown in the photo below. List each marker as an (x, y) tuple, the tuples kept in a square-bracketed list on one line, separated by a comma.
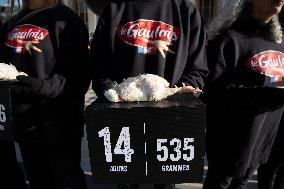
[(9, 72), (147, 87)]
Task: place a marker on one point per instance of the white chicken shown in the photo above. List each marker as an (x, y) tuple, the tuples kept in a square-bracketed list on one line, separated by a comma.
[(9, 72), (147, 87)]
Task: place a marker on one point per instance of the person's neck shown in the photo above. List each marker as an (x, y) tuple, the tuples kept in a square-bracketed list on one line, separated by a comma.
[(262, 15)]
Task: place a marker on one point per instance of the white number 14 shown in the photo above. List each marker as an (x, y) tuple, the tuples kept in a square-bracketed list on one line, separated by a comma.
[(122, 146)]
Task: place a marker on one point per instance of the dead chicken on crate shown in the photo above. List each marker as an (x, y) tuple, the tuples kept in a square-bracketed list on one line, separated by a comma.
[(146, 87)]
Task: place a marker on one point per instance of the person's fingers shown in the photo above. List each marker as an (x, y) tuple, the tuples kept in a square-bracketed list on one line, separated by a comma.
[(37, 49), (175, 86), (183, 84)]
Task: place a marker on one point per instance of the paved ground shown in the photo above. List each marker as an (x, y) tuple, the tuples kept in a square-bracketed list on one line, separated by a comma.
[(86, 166)]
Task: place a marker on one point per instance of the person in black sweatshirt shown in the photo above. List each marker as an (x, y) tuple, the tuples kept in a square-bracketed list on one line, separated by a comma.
[(167, 40), (10, 172), (161, 37), (49, 42), (271, 174), (243, 91)]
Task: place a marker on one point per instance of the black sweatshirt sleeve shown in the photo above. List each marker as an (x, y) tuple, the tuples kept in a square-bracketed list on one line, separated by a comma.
[(72, 61), (100, 58), (196, 68), (72, 75), (221, 57)]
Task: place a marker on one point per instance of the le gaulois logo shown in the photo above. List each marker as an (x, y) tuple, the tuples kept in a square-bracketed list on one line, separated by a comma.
[(270, 63), (148, 35), (25, 33)]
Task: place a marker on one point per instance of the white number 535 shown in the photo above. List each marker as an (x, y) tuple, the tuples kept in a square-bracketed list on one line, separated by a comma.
[(178, 146)]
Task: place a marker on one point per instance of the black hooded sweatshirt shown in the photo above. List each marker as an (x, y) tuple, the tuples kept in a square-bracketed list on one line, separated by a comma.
[(244, 103), (53, 104), (123, 47)]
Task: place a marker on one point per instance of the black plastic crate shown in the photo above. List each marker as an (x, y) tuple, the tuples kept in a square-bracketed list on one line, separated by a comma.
[(166, 141)]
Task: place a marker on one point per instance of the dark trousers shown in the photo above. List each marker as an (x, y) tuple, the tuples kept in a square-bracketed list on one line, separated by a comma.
[(279, 179), (271, 174), (215, 179), (11, 174), (53, 166), (270, 177)]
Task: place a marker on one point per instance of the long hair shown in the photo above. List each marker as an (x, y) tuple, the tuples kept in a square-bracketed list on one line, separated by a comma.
[(50, 3), (231, 11)]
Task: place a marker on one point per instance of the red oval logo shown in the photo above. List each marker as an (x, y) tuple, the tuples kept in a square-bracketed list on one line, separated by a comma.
[(269, 63), (141, 33), (26, 32)]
